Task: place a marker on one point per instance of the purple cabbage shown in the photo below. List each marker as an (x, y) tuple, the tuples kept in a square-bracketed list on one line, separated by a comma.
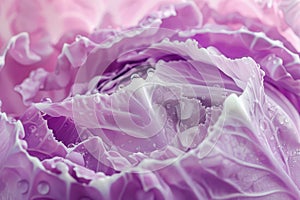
[(199, 100)]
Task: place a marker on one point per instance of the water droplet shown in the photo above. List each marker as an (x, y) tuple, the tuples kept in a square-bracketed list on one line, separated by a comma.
[(43, 187), (71, 145), (134, 76), (216, 85), (150, 72), (46, 100), (210, 129), (23, 186), (154, 145), (32, 128), (272, 138)]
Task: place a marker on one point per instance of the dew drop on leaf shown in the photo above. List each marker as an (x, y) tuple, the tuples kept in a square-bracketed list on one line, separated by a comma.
[(23, 186), (43, 187)]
